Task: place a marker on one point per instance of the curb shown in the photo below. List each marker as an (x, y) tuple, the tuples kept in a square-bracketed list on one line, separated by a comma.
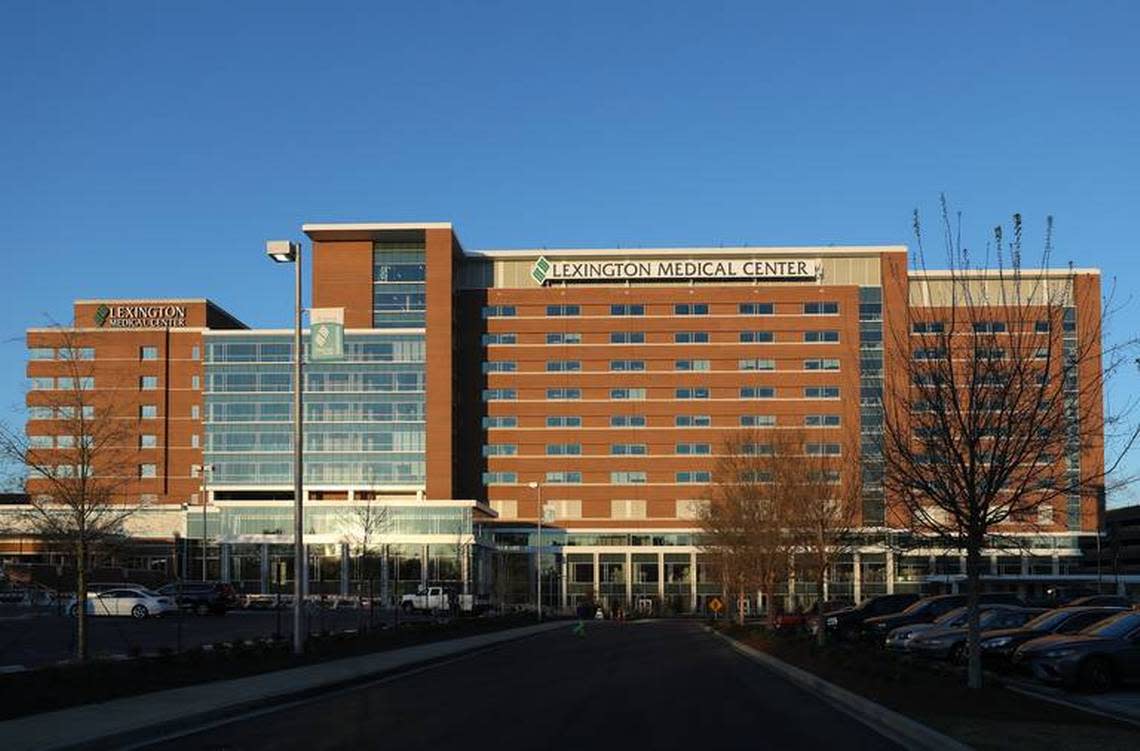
[(35, 732), (1074, 704), (897, 727)]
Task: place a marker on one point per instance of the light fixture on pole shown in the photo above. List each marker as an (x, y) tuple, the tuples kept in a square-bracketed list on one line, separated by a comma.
[(285, 251)]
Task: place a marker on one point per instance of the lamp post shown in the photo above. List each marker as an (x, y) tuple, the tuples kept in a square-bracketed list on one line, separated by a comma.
[(202, 469), (538, 556), (284, 251)]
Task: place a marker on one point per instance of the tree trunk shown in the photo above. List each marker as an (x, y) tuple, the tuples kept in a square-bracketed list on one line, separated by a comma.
[(973, 581), (81, 600)]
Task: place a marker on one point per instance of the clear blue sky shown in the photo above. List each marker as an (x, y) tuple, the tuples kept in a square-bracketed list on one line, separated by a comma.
[(149, 149)]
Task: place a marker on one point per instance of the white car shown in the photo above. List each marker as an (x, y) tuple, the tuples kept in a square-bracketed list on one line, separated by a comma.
[(136, 602)]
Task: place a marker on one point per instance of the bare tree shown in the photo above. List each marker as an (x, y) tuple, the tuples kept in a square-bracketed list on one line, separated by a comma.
[(822, 484), (993, 422), (745, 524), (363, 523), (79, 487)]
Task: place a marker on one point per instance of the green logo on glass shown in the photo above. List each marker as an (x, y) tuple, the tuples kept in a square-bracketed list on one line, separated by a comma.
[(101, 314), (327, 341), (540, 269)]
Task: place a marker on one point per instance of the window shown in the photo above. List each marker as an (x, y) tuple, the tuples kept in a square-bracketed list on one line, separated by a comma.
[(148, 383), (500, 366), (1041, 327), (42, 384), (563, 478), (699, 392), (821, 364), (148, 353), (627, 337), (756, 337), (500, 478), (564, 509), (506, 509), (693, 449), (757, 309), (989, 353), (563, 449), (691, 337), (627, 478), (627, 421), (81, 353), (195, 412), (563, 366), (989, 327), (497, 395), (821, 449), (564, 421), (195, 352), (563, 338), (40, 441), (821, 392), (928, 327), (40, 413), (500, 449), (627, 310), (148, 470), (691, 365), (41, 353), (757, 421), (194, 441), (691, 309), (1041, 353), (757, 364), (757, 392), (498, 311), (690, 509), (195, 382), (692, 421), (930, 353), (502, 338), (690, 477), (147, 441), (628, 449), (627, 394), (819, 337), (65, 383), (559, 394), (148, 411), (830, 476), (627, 366), (821, 308), (821, 421), (757, 449), (504, 421), (563, 310), (634, 509)]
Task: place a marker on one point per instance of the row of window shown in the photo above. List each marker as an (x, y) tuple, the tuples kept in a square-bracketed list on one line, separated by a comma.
[(623, 477), (679, 337), (62, 383), (639, 394), (827, 308), (88, 353), (979, 327), (680, 421), (641, 449), (146, 441), (638, 366)]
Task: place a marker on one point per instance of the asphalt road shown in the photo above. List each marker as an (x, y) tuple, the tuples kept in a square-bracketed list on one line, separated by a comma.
[(657, 685), (31, 639)]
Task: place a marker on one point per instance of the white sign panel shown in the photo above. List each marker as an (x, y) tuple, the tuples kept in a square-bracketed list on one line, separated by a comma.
[(679, 270)]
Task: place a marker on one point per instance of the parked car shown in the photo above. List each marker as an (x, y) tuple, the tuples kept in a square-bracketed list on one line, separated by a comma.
[(202, 597), (432, 599), (926, 610), (898, 639), (136, 602), (1116, 601), (807, 618), (1096, 659), (846, 621), (949, 642), (999, 644)]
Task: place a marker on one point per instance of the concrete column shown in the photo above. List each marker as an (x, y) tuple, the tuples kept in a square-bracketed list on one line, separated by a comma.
[(224, 550), (661, 580), (857, 577), (597, 579), (890, 571), (264, 568), (384, 585), (693, 581), (826, 585), (465, 568), (565, 568), (628, 580), (424, 556), (1056, 565), (345, 565)]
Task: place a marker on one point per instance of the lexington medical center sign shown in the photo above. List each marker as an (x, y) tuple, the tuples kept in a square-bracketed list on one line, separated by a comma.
[(672, 269)]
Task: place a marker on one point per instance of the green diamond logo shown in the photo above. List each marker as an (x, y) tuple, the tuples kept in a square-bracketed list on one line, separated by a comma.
[(540, 269), (101, 314)]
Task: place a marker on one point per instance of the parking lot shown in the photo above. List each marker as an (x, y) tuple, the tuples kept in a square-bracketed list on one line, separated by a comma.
[(35, 636)]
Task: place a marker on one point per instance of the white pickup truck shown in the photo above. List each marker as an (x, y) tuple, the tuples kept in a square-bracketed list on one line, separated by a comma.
[(435, 598)]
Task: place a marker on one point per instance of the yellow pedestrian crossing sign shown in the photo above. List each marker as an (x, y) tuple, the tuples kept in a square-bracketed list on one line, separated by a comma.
[(716, 605)]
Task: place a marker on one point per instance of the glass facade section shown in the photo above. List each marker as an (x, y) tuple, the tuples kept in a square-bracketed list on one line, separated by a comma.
[(399, 270), (871, 403), (364, 416)]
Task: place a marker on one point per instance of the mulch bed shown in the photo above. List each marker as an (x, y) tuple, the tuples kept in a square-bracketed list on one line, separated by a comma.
[(66, 685), (935, 694)]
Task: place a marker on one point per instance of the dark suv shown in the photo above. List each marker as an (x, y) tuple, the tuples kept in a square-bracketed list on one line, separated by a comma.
[(202, 597), (846, 621), (929, 608)]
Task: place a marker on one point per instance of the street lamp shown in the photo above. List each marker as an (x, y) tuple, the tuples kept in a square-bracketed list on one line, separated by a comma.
[(284, 251), (202, 469)]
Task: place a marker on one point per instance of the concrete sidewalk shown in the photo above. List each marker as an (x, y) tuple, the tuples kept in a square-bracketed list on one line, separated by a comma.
[(90, 723)]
